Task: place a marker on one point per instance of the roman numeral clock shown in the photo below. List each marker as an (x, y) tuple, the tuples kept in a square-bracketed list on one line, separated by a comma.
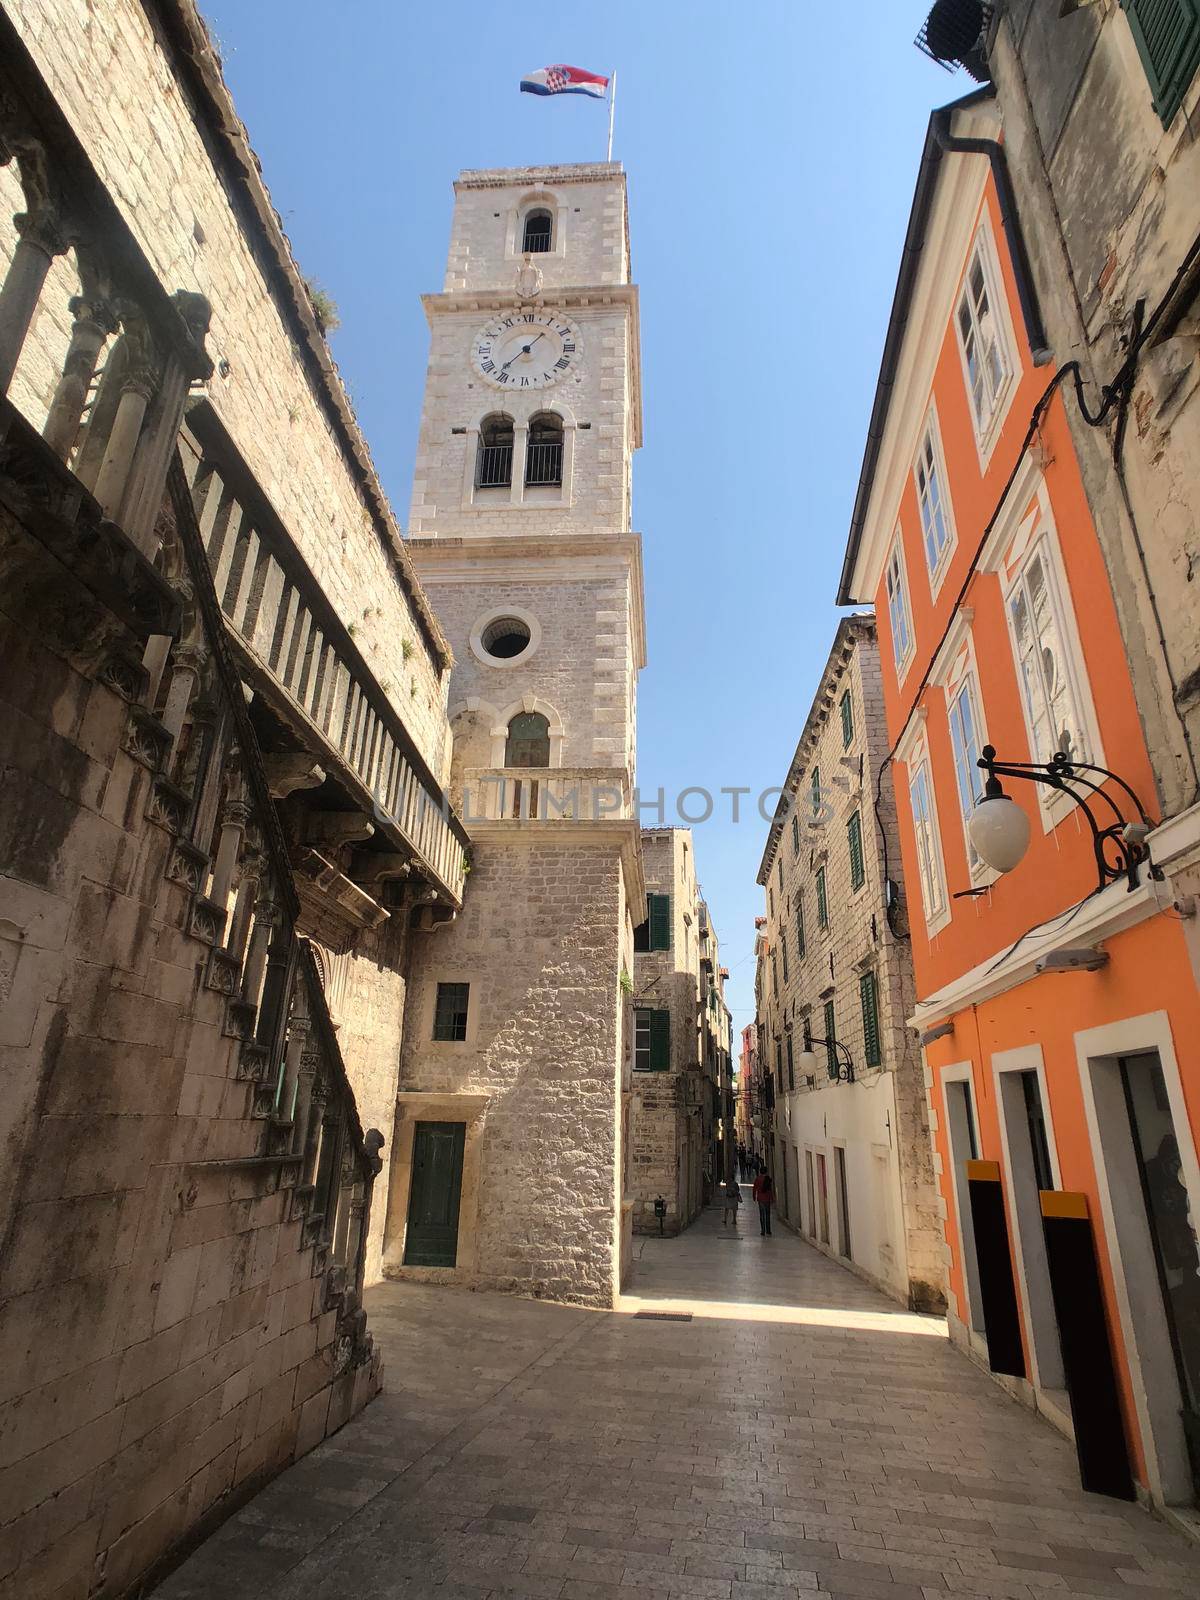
[(525, 350)]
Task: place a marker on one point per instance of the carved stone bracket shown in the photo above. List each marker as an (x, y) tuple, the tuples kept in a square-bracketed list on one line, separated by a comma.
[(240, 1016), (222, 974), (287, 773), (331, 830), (125, 675), (253, 1064), (146, 739), (187, 864), (168, 805), (206, 920)]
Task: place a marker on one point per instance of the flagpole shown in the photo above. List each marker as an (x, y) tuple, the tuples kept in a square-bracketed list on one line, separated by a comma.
[(612, 108)]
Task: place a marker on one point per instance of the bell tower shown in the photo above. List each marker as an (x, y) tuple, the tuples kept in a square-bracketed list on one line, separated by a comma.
[(521, 506), (517, 1022)]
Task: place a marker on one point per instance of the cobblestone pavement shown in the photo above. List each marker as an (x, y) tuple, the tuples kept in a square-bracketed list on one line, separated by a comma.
[(799, 1434)]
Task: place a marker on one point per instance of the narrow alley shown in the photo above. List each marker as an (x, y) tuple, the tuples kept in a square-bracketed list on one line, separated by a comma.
[(753, 1423)]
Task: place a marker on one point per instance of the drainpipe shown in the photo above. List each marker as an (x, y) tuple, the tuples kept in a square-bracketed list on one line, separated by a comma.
[(1026, 293)]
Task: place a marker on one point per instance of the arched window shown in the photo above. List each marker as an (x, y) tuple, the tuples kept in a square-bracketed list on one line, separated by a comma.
[(544, 453), (528, 742), (538, 236), (493, 466)]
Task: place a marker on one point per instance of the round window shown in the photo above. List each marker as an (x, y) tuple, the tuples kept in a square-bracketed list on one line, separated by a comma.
[(505, 637)]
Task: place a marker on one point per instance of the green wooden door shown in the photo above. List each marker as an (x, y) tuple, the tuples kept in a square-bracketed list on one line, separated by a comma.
[(432, 1236)]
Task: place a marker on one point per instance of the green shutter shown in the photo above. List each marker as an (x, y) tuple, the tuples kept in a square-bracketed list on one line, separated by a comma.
[(1167, 35), (660, 921), (847, 720), (660, 1041), (816, 790), (783, 948), (869, 997), (822, 902), (858, 875), (799, 929), (831, 1059)]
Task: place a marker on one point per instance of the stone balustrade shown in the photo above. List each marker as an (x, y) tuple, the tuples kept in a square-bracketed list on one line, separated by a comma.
[(545, 794), (294, 649)]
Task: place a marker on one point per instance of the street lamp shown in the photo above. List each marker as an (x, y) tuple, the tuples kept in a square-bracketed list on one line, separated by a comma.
[(840, 1067), (999, 827)]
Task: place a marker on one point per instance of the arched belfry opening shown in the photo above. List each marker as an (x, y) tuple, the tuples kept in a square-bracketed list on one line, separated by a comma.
[(544, 451), (528, 741), (494, 462), (537, 235)]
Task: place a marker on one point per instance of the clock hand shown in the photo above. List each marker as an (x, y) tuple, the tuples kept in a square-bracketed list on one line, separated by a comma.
[(523, 351)]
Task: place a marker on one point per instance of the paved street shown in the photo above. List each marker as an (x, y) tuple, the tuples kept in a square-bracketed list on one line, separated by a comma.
[(800, 1433)]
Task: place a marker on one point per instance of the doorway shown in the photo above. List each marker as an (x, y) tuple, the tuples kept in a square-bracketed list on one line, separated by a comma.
[(964, 1146), (431, 1237), (1172, 1237), (843, 1201), (1027, 1136), (822, 1201), (810, 1185)]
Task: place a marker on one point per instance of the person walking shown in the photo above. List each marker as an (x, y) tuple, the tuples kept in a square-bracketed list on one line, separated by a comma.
[(733, 1199), (764, 1193), (741, 1160)]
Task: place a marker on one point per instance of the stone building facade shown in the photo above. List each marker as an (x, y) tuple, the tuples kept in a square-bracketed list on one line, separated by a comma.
[(671, 1095), (512, 1134), (222, 841), (850, 1151)]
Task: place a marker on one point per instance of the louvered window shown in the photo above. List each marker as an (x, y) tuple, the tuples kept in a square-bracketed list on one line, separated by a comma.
[(822, 900), (858, 872), (651, 1041), (1167, 35), (847, 710), (868, 996), (800, 945), (831, 1056)]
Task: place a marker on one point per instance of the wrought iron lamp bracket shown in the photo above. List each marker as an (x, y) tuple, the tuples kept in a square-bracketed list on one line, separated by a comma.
[(840, 1071), (1119, 847)]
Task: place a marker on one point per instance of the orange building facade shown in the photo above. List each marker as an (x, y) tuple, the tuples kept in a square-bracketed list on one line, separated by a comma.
[(1059, 1015)]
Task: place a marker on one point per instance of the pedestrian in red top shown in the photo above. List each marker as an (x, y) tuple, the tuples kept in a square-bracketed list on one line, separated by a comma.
[(764, 1193)]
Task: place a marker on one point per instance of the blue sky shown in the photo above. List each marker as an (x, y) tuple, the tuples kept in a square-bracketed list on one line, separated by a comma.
[(772, 149)]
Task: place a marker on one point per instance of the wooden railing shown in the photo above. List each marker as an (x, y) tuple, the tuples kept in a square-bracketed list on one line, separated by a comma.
[(545, 794)]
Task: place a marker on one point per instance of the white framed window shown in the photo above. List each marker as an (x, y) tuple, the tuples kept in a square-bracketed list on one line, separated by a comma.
[(899, 614), (966, 742), (1049, 677), (930, 869), (933, 500), (1056, 699), (985, 341)]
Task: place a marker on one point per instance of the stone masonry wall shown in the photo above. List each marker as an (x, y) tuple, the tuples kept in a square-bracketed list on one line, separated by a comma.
[(116, 84), (539, 942), (166, 1342), (589, 245), (596, 392), (579, 669)]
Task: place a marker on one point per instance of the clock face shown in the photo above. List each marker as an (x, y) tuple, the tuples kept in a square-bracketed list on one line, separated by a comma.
[(525, 350)]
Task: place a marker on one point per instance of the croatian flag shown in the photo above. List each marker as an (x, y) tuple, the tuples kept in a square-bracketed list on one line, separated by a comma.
[(564, 80)]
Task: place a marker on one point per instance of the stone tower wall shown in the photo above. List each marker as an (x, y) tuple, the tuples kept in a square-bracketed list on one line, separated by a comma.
[(539, 942)]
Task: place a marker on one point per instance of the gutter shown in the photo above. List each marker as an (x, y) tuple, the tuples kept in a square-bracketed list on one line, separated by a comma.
[(939, 141)]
